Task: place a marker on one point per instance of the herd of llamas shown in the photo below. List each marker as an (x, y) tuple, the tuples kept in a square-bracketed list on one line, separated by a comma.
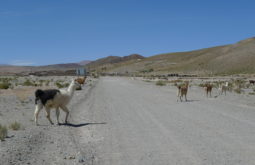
[(182, 89), (59, 98)]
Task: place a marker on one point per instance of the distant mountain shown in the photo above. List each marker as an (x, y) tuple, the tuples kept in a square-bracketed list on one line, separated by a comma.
[(111, 60), (84, 62), (56, 69), (238, 58), (62, 66)]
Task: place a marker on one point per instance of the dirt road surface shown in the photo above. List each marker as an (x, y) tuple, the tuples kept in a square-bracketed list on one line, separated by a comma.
[(121, 121)]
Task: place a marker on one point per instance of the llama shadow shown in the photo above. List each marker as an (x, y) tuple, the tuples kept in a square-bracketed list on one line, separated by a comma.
[(79, 125), (9, 136), (191, 101)]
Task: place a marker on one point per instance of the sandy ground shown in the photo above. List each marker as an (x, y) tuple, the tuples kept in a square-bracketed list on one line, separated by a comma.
[(126, 121)]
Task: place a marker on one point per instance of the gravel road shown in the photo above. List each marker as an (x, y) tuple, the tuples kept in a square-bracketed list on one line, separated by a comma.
[(121, 121)]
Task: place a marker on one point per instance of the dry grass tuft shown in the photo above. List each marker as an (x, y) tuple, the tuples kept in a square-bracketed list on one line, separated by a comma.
[(3, 132), (160, 83), (4, 85), (15, 126)]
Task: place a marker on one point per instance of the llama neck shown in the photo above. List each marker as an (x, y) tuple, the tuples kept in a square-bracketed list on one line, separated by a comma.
[(71, 89)]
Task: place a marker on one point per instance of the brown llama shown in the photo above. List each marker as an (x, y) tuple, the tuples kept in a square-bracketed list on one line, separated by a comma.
[(80, 80), (208, 89), (182, 91)]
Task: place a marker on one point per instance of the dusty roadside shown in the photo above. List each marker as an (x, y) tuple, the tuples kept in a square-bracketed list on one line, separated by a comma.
[(44, 144), (120, 120)]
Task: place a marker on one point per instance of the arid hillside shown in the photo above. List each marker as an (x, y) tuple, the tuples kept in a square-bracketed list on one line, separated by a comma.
[(238, 58), (110, 62), (56, 69)]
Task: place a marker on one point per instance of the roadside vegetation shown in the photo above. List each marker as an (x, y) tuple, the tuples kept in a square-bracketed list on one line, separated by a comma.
[(3, 132), (161, 83), (15, 126), (61, 84), (4, 85)]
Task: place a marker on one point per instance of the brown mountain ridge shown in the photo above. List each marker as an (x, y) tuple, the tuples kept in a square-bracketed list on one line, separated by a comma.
[(238, 58)]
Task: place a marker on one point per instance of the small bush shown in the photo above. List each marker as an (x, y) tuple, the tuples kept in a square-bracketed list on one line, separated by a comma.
[(28, 83), (160, 83), (4, 85), (15, 126), (238, 90), (147, 70), (47, 83), (61, 85), (3, 132)]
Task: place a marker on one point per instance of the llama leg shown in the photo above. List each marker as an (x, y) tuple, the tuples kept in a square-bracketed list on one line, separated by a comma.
[(38, 108), (48, 115), (178, 95), (185, 97), (57, 114), (64, 108)]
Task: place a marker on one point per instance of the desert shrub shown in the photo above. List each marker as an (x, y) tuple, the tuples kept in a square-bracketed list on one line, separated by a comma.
[(15, 126), (238, 90), (147, 70), (5, 79), (61, 85), (28, 83), (47, 82), (4, 85), (3, 132), (160, 83)]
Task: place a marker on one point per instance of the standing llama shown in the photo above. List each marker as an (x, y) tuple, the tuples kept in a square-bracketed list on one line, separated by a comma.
[(182, 91), (223, 88), (81, 80), (208, 89), (53, 98)]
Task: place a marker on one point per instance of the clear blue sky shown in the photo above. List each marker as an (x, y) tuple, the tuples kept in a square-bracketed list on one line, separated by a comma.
[(39, 32)]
